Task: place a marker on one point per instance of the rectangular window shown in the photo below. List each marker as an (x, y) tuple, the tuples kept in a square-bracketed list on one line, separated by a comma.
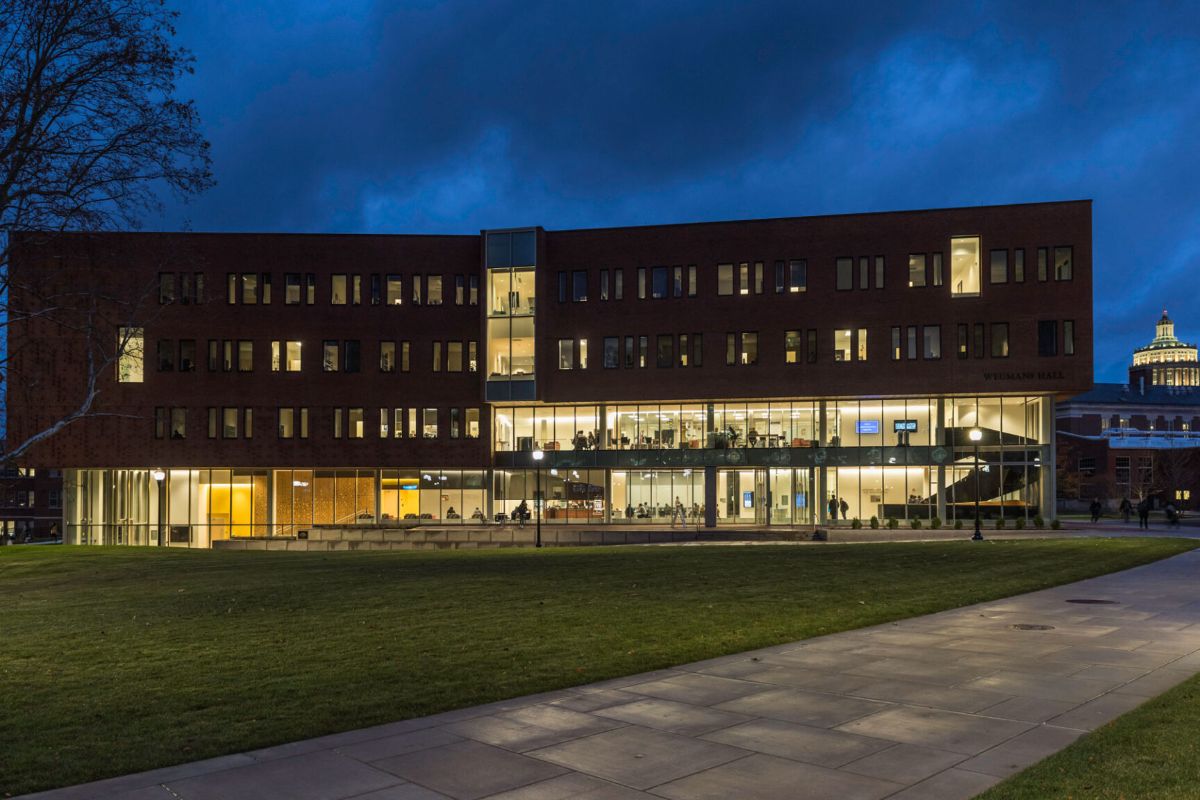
[(376, 289), (641, 281), (724, 279), (1018, 266), (455, 425), (583, 353), (579, 286), (603, 285), (562, 287), (861, 345), (356, 289), (780, 277), (813, 352), (337, 290), (964, 266), (629, 353), (276, 355), (473, 290), (618, 284), (1062, 263), (937, 269), (677, 282), (393, 290), (212, 423), (247, 423), (287, 423), (964, 341), (999, 264), (999, 340), (916, 269), (405, 349), (1047, 337), (387, 356), (666, 350), (897, 348), (266, 288), (912, 342), (433, 290), (978, 340), (797, 276), (843, 344), (160, 422), (291, 289), (864, 272), (792, 342), (472, 356), (658, 283), (337, 423), (310, 290), (228, 358), (460, 290), (187, 355), (472, 431), (397, 423), (730, 349), (416, 292), (454, 356), (231, 288), (744, 277), (214, 355), (933, 342), (329, 360), (352, 356), (437, 356), (199, 287), (749, 349), (413, 430), (845, 274), (245, 356), (612, 352), (166, 287), (566, 354), (691, 292), (429, 423), (643, 351), (1042, 257), (683, 350), (879, 263), (385, 423), (355, 428), (131, 349), (229, 423), (1068, 337), (185, 288), (758, 277), (166, 355)]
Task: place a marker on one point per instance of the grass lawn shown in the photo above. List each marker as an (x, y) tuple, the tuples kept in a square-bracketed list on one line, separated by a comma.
[(114, 660), (1152, 752)]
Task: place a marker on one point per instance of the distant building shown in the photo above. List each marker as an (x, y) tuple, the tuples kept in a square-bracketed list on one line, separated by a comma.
[(1166, 361), (31, 504), (1140, 439)]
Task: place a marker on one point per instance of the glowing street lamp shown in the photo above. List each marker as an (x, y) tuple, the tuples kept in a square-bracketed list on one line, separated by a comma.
[(975, 435), (538, 455)]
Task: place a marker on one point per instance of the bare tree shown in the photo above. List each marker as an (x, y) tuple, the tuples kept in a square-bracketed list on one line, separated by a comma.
[(91, 136)]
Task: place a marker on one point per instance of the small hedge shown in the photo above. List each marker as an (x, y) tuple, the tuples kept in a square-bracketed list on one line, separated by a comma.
[(874, 523), (893, 524), (856, 523), (935, 523)]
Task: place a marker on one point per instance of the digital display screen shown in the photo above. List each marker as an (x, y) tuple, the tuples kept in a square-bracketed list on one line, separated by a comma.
[(801, 500), (906, 425), (866, 426), (747, 499)]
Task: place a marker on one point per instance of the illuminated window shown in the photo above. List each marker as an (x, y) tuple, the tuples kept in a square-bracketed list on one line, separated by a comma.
[(566, 353), (724, 279), (337, 290), (964, 266), (861, 350), (131, 353), (1062, 263), (999, 340), (387, 356), (792, 342), (393, 290), (842, 344), (916, 269), (434, 290)]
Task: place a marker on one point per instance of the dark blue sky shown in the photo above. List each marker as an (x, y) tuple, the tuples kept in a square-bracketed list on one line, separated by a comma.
[(429, 117)]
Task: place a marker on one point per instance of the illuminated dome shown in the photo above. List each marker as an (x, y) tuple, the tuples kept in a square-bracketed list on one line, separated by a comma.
[(1166, 361)]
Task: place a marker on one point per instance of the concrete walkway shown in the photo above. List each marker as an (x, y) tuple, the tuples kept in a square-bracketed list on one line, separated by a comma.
[(935, 707)]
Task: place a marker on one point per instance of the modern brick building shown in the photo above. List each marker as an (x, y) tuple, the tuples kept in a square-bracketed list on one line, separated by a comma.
[(746, 371)]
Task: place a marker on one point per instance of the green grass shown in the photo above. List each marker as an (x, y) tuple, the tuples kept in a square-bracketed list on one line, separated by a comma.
[(114, 660), (1152, 752)]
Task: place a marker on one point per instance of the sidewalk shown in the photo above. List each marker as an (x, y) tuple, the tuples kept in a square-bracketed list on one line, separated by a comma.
[(935, 707)]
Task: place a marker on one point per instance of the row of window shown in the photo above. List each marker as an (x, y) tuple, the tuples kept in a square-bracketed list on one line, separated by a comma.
[(849, 344), (27, 498), (348, 423), (255, 288), (229, 355)]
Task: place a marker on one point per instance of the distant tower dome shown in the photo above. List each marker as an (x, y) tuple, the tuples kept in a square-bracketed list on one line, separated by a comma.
[(1166, 361)]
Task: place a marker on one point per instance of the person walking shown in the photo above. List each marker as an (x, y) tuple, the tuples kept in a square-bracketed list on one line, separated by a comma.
[(1143, 509), (844, 506), (677, 513), (1095, 508), (1126, 509)]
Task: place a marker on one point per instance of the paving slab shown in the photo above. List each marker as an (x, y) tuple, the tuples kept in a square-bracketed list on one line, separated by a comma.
[(934, 708)]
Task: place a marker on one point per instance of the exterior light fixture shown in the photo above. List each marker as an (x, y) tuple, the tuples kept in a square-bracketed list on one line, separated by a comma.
[(975, 435), (159, 475), (538, 455)]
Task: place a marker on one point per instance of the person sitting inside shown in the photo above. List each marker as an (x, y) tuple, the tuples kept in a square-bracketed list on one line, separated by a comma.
[(752, 437), (477, 513), (451, 513)]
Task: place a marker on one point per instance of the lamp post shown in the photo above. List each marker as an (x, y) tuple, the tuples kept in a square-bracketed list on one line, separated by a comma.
[(538, 455), (160, 478), (975, 435)]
